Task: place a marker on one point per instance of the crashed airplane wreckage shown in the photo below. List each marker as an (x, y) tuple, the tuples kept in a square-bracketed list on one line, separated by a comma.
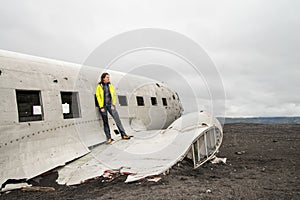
[(49, 119)]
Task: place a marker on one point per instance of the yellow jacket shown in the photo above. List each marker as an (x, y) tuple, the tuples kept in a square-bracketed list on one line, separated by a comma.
[(100, 95)]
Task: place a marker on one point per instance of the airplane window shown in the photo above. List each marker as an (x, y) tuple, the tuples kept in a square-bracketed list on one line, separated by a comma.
[(140, 101), (164, 100), (122, 100), (173, 97), (70, 104), (153, 101), (29, 105)]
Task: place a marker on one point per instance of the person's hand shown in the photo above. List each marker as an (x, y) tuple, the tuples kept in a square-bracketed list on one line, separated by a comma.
[(112, 107), (102, 110)]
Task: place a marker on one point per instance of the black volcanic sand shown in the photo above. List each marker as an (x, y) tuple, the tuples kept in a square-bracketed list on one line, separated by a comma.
[(263, 163)]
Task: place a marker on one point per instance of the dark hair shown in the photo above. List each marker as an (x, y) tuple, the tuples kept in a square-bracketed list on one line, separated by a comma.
[(103, 76)]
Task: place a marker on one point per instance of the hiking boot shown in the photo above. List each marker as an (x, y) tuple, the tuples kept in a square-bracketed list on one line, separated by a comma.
[(109, 140), (125, 137)]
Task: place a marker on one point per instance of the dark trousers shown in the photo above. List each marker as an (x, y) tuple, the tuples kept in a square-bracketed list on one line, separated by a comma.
[(115, 115)]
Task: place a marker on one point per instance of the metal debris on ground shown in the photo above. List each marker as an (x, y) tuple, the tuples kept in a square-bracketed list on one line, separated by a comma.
[(154, 179), (240, 152), (38, 188), (216, 160), (14, 186)]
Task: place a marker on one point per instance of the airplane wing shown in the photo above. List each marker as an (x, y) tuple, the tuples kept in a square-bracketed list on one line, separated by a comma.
[(149, 153)]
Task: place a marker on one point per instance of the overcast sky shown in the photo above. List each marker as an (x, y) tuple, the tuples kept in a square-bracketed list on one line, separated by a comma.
[(254, 44)]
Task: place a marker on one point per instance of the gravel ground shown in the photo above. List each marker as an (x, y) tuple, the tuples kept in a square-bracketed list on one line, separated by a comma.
[(262, 163)]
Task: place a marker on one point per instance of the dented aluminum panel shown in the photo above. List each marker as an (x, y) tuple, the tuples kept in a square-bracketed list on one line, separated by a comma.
[(148, 153)]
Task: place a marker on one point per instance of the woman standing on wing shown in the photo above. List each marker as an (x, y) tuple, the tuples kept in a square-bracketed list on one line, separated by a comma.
[(107, 98)]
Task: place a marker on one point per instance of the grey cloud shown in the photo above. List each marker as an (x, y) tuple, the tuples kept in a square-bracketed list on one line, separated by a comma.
[(254, 44)]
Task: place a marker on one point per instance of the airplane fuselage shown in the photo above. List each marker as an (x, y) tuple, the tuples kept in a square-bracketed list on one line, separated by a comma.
[(49, 116), (49, 111)]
